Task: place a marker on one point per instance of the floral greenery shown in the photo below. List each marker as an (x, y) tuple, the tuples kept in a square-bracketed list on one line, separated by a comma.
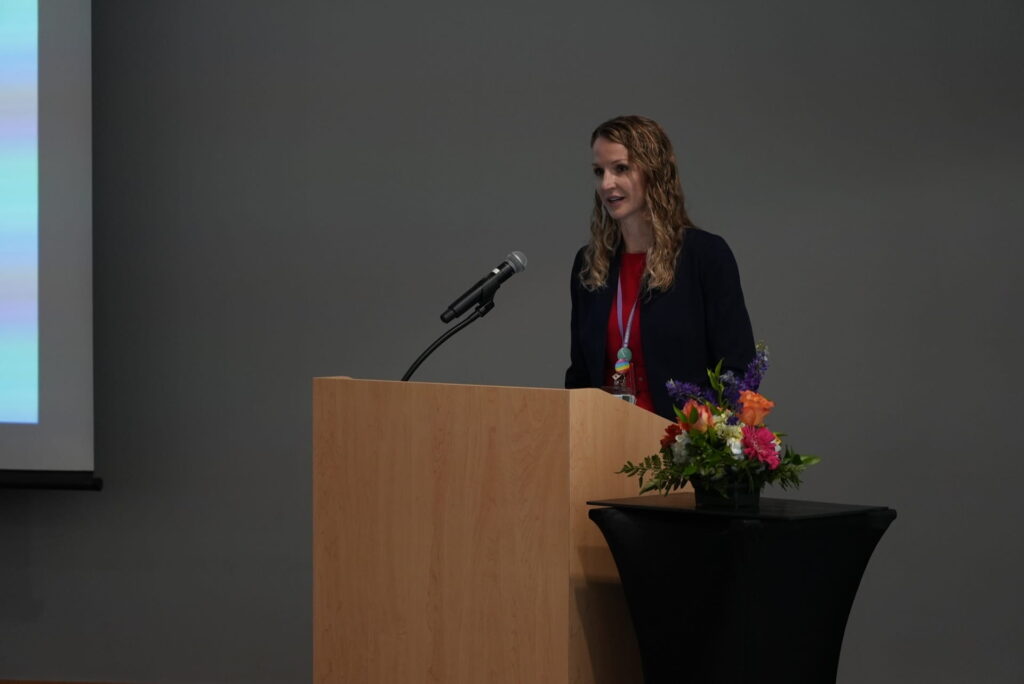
[(719, 438)]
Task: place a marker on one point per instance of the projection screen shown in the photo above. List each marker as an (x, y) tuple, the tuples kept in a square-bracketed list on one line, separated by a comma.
[(46, 359)]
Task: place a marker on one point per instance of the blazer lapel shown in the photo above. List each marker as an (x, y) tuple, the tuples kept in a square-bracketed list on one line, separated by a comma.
[(603, 299)]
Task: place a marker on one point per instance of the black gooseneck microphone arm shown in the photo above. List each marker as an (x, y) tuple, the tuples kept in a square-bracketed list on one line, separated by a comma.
[(485, 304)]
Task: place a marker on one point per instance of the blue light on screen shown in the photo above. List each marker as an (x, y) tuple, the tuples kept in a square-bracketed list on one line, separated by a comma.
[(19, 212)]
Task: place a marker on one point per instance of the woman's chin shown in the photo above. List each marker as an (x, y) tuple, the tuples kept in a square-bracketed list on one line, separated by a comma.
[(616, 212)]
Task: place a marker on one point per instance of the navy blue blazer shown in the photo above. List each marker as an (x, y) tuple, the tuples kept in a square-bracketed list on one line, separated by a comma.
[(684, 331)]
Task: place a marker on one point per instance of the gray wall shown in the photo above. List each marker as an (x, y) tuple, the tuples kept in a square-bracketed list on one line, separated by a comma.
[(286, 190)]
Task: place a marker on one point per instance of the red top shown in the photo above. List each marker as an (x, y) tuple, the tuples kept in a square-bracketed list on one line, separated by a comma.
[(631, 270)]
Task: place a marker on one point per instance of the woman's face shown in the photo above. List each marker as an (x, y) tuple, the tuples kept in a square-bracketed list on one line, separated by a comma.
[(618, 183)]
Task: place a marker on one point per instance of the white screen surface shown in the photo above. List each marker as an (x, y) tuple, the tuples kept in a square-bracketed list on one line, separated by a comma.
[(46, 389)]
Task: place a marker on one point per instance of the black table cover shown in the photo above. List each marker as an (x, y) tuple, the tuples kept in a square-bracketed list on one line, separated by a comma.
[(739, 597)]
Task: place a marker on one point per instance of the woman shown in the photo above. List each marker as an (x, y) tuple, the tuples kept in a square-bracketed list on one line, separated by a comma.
[(654, 298)]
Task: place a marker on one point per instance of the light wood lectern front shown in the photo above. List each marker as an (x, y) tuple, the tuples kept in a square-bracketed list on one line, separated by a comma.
[(450, 535)]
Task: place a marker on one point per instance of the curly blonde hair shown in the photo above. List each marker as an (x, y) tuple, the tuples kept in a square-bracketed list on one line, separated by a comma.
[(651, 152)]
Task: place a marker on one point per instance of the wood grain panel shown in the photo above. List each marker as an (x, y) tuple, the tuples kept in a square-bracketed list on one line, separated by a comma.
[(451, 538), (604, 433), (437, 511)]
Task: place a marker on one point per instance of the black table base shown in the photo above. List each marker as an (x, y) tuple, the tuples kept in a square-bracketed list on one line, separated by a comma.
[(727, 597)]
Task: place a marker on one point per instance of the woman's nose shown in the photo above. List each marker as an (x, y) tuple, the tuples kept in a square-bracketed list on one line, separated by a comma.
[(607, 181)]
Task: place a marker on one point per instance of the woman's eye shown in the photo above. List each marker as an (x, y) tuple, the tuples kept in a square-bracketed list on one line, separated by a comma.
[(622, 168), (598, 172)]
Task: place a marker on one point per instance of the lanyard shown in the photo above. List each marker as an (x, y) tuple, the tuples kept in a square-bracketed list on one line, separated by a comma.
[(624, 356)]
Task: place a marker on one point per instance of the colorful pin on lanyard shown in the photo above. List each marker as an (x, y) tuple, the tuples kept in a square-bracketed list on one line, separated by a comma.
[(624, 355)]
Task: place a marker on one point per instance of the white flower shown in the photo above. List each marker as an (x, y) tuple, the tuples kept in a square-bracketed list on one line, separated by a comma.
[(728, 432), (735, 445), (679, 453)]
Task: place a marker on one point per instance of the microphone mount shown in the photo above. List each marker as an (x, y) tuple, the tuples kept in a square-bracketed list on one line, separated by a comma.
[(483, 307), (481, 295)]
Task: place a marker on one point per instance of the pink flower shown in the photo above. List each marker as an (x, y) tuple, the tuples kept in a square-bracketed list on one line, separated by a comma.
[(759, 444)]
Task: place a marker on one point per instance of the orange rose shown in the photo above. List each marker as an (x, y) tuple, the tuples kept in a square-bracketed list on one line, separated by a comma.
[(755, 408), (704, 417)]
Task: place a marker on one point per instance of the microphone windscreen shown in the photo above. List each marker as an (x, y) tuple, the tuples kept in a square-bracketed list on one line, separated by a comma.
[(518, 261)]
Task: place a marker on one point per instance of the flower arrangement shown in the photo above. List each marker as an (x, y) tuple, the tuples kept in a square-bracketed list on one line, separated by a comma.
[(719, 440)]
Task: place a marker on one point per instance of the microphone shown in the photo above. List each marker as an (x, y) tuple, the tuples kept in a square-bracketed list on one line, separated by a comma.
[(486, 287)]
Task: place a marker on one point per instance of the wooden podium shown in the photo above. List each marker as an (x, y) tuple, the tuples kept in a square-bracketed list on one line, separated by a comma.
[(451, 542)]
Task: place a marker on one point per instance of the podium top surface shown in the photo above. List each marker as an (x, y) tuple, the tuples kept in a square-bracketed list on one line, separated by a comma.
[(770, 509), (434, 383)]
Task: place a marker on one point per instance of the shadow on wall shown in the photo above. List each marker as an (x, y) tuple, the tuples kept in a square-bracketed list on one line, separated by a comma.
[(18, 603)]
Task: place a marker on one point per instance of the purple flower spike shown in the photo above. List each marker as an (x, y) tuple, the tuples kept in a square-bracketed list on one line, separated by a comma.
[(730, 390), (681, 392), (756, 369)]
